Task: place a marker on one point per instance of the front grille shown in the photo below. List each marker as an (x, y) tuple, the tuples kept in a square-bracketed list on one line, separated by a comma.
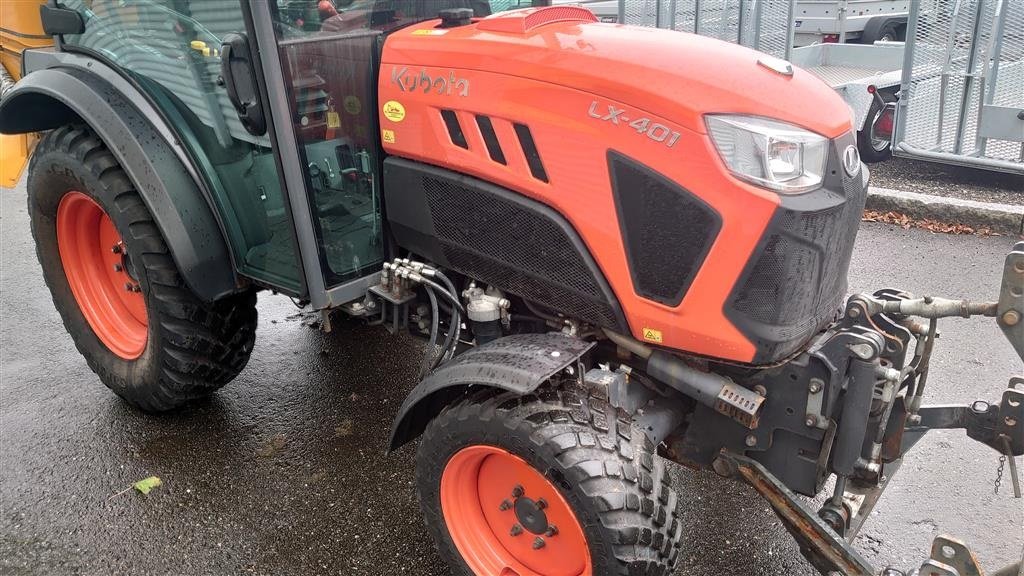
[(667, 231), (522, 250), (797, 282)]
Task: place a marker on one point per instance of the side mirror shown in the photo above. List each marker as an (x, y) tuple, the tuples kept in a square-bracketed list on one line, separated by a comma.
[(239, 79)]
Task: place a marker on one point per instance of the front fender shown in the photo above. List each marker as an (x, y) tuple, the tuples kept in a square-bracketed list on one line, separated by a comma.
[(53, 97), (519, 363)]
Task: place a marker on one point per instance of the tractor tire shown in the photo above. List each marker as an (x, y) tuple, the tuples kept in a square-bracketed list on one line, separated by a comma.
[(552, 484), (116, 286)]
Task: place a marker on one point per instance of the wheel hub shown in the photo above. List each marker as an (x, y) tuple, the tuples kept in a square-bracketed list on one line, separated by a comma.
[(530, 514)]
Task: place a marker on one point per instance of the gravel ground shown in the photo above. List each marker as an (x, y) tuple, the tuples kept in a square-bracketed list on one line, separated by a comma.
[(954, 181)]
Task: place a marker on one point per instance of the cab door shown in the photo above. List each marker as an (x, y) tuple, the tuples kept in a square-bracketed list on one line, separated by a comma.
[(320, 73)]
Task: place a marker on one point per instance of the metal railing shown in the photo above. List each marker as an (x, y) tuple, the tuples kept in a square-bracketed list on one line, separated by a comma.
[(962, 97), (765, 25)]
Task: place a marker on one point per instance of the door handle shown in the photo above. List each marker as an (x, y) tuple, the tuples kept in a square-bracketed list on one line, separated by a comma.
[(239, 79)]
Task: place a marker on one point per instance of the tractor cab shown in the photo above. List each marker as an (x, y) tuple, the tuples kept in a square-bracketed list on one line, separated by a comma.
[(276, 102)]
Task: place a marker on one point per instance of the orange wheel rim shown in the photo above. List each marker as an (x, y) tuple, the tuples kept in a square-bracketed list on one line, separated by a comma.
[(101, 275), (506, 519)]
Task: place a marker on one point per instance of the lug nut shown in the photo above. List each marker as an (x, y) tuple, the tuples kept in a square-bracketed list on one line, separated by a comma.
[(551, 531), (136, 288), (538, 543), (1011, 318), (542, 503), (516, 530), (505, 505), (517, 491), (118, 268), (116, 249), (128, 287)]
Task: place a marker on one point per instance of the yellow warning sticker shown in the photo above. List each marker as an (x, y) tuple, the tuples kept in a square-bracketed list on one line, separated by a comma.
[(352, 105), (388, 136), (429, 32), (652, 335), (333, 119), (394, 111)]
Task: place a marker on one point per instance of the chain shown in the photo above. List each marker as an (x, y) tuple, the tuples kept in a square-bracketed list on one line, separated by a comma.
[(999, 471)]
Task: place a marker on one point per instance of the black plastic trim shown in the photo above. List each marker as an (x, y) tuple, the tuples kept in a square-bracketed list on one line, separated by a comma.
[(530, 152), (451, 121), (490, 139)]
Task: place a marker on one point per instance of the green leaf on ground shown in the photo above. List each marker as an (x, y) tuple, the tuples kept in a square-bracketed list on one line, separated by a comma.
[(147, 484)]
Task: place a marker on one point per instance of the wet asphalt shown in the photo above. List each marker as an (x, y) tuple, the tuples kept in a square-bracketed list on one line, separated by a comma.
[(284, 470)]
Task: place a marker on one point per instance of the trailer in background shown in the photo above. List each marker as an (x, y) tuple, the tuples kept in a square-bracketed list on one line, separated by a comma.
[(841, 21), (952, 93), (962, 91), (868, 78)]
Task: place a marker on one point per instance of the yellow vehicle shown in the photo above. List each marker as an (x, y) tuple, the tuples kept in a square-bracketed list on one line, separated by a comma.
[(20, 28)]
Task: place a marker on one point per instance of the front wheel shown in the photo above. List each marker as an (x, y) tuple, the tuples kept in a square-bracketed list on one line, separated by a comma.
[(553, 484), (116, 286)]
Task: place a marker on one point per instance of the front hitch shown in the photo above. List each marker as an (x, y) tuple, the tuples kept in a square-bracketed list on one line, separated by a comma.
[(880, 416)]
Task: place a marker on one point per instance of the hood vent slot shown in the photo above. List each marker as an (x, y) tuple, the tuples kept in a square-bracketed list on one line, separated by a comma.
[(451, 121)]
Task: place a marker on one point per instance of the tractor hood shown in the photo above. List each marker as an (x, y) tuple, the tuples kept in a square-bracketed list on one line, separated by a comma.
[(674, 75)]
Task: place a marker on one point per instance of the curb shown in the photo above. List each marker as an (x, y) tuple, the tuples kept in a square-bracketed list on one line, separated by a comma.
[(1002, 218)]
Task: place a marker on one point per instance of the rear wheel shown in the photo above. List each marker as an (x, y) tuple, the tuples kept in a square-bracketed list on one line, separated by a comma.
[(556, 484), (116, 286)]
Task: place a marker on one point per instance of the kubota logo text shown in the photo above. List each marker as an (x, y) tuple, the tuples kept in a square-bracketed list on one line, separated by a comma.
[(425, 82)]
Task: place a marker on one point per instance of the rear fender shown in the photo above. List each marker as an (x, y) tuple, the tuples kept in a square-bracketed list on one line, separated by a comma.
[(519, 363), (51, 97)]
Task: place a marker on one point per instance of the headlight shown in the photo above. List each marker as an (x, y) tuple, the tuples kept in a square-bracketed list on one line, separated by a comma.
[(768, 153)]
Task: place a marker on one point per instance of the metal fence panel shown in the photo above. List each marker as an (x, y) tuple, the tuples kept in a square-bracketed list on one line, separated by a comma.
[(765, 25), (963, 84)]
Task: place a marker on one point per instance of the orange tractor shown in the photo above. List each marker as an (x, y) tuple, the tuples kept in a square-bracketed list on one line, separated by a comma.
[(621, 245)]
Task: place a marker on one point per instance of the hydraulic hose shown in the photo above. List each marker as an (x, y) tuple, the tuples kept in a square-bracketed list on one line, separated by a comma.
[(451, 340), (452, 299), (428, 357)]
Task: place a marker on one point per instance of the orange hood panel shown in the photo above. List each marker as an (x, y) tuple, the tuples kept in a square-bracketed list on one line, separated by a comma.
[(673, 75)]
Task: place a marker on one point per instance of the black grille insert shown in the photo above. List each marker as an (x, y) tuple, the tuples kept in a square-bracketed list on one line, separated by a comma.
[(518, 245), (667, 230)]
